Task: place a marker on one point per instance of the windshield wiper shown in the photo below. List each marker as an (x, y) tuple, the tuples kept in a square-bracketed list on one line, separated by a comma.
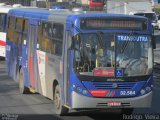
[(99, 34), (127, 42)]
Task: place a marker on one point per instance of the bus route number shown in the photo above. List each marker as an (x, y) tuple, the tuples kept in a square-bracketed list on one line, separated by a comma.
[(124, 93)]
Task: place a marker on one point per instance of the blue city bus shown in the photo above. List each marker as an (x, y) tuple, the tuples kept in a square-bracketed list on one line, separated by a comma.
[(82, 60)]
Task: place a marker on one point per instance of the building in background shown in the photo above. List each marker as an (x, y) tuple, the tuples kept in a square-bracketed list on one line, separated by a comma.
[(22, 2), (128, 6), (49, 3)]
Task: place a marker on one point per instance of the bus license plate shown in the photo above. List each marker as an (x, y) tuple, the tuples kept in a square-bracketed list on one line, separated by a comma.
[(111, 104)]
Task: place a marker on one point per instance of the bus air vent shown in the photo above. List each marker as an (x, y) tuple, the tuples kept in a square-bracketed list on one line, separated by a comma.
[(106, 85)]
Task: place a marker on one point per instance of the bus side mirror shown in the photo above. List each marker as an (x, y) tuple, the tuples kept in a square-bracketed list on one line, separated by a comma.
[(153, 42)]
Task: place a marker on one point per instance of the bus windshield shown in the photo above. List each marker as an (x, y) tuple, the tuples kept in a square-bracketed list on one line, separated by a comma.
[(98, 0), (111, 52), (150, 16)]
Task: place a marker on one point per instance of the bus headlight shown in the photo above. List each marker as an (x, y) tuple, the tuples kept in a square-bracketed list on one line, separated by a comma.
[(148, 89), (84, 92), (78, 89), (74, 86), (143, 92)]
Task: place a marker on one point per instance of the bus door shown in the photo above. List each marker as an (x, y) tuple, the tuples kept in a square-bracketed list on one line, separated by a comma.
[(68, 39), (32, 64)]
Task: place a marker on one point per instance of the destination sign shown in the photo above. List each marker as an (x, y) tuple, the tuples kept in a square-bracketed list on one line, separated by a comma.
[(132, 38), (108, 23)]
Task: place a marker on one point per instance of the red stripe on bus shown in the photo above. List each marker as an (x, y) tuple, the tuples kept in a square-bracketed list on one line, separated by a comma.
[(31, 70), (2, 43), (99, 93), (112, 93)]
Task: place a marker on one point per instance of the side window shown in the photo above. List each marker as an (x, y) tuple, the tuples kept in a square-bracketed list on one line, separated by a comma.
[(39, 37), (50, 47), (1, 23), (25, 30), (18, 30), (58, 33), (50, 37), (11, 25), (19, 24), (4, 22), (46, 40)]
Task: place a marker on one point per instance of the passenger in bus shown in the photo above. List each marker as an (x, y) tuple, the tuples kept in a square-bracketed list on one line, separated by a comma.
[(105, 53), (132, 60), (47, 41), (89, 53)]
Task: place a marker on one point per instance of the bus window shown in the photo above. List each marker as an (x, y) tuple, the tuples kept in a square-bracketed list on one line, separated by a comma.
[(58, 38), (94, 52), (39, 36), (4, 22), (48, 31), (10, 28), (97, 0), (19, 23), (46, 37), (25, 25), (1, 23), (52, 36), (25, 29), (133, 56), (18, 30)]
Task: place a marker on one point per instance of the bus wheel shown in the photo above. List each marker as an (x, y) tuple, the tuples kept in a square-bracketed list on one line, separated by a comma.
[(22, 88), (127, 111), (60, 110)]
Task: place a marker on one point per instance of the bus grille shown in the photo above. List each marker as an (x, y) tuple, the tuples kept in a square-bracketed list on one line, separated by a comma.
[(106, 85)]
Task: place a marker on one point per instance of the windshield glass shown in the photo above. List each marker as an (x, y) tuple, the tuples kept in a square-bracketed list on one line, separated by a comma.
[(134, 55), (150, 16), (98, 0), (95, 55)]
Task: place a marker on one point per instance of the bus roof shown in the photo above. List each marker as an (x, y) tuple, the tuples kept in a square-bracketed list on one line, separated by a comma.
[(88, 14), (30, 12), (45, 13), (5, 9)]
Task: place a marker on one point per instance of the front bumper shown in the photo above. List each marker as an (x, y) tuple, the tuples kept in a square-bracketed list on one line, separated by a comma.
[(80, 101)]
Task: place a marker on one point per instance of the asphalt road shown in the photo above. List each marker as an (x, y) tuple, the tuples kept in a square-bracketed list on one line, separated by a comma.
[(15, 106), (37, 107)]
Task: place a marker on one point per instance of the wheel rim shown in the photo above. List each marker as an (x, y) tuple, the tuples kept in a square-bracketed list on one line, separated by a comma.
[(57, 99)]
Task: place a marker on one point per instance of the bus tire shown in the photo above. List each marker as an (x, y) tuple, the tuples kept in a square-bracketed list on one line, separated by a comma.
[(22, 88), (127, 111), (60, 109)]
